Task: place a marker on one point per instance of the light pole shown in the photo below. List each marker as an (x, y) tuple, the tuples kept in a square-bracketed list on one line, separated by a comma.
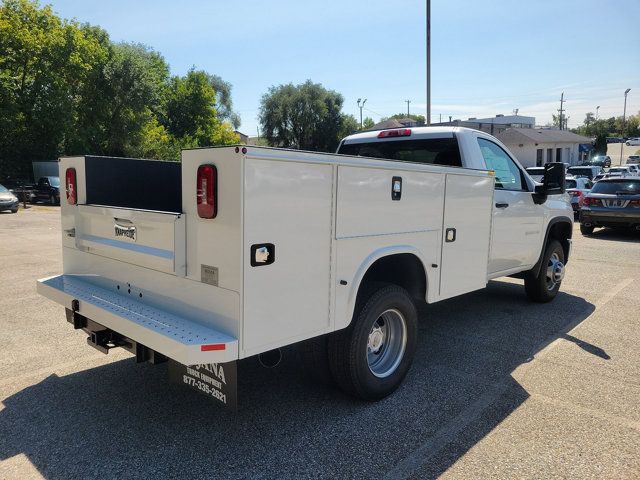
[(428, 62), (624, 118), (597, 108), (361, 106)]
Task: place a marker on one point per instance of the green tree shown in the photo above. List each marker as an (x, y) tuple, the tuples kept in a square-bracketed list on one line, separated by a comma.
[(191, 114), (45, 63), (600, 145), (224, 103), (367, 123), (419, 119), (349, 125), (305, 116)]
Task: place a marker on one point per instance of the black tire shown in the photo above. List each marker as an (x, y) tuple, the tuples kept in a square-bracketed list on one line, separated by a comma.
[(541, 288), (314, 356), (349, 348), (14, 210), (586, 230), (52, 200)]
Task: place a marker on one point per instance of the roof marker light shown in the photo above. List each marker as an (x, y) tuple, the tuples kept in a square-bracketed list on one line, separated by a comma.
[(401, 132)]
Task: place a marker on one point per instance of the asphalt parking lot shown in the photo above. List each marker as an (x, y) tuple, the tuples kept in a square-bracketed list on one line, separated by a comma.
[(500, 388)]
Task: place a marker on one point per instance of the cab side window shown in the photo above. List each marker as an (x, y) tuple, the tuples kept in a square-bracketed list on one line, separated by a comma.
[(508, 175)]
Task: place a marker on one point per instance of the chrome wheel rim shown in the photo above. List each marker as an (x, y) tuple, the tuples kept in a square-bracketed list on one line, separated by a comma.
[(386, 343), (555, 271)]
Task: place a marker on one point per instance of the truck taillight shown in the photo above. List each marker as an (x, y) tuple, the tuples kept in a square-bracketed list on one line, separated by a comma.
[(591, 201), (401, 132), (206, 191), (70, 186)]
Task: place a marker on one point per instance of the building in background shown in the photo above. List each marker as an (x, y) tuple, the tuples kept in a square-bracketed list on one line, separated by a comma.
[(492, 125), (533, 147)]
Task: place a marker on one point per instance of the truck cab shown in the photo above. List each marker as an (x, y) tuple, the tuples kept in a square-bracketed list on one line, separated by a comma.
[(522, 218)]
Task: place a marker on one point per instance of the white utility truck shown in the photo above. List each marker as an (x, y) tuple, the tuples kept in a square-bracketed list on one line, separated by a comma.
[(238, 251)]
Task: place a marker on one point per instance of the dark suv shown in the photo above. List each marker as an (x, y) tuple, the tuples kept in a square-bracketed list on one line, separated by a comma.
[(612, 202)]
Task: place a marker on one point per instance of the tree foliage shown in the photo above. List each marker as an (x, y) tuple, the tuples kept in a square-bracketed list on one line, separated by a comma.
[(419, 119), (305, 116), (367, 123), (65, 88), (612, 127)]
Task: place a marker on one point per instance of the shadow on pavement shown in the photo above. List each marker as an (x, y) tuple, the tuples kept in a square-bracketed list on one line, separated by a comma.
[(127, 421), (617, 234)]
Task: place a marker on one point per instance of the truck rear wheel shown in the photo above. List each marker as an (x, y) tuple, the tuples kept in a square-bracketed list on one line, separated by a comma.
[(545, 286), (370, 358)]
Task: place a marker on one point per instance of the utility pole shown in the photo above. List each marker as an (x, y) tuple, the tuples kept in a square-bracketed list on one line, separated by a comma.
[(361, 106), (440, 118), (561, 110), (597, 108), (408, 102), (624, 118), (428, 62)]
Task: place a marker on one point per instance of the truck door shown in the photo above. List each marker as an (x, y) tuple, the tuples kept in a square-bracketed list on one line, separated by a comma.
[(517, 221)]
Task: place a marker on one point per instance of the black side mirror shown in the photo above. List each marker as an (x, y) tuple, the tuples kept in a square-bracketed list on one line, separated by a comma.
[(553, 182)]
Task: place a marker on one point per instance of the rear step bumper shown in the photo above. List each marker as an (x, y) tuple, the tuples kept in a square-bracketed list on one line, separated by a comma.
[(178, 338)]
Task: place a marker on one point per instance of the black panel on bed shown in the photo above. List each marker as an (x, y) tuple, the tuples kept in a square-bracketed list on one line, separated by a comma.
[(133, 183)]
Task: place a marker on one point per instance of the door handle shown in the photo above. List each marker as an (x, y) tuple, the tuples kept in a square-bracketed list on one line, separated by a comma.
[(502, 205)]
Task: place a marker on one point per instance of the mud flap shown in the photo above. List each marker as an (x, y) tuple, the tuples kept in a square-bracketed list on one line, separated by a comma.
[(218, 381)]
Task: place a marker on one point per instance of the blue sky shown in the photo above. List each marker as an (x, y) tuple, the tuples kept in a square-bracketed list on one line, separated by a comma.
[(488, 57)]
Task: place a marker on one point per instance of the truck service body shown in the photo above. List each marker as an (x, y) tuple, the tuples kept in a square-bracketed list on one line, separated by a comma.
[(237, 251)]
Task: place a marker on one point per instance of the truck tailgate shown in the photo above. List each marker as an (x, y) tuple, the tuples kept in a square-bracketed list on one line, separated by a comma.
[(146, 238)]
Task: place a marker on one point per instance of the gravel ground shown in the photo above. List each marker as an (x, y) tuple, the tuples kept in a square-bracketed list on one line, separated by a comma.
[(500, 388)]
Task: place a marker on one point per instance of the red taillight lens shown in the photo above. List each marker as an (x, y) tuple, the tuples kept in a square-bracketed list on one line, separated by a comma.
[(402, 132), (575, 193), (206, 191), (591, 201), (635, 203), (70, 186)]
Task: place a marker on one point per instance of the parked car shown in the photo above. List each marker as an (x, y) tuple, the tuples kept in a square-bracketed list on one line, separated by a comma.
[(48, 190), (23, 189), (633, 141), (603, 161), (634, 169), (585, 171), (615, 139), (633, 160), (537, 173), (577, 188), (8, 201), (621, 171), (612, 202)]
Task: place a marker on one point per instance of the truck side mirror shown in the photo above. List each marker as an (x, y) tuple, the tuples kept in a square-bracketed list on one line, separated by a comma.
[(553, 182)]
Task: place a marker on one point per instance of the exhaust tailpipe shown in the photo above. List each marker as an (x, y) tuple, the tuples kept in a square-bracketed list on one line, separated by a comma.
[(270, 359)]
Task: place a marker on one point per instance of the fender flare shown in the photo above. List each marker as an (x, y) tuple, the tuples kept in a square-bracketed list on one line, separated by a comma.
[(368, 262), (554, 221)]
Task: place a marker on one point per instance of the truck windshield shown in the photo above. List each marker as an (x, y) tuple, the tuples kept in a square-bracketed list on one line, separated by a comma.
[(436, 151), (629, 187)]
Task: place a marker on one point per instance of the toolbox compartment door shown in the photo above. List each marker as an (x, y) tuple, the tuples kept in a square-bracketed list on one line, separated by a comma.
[(150, 239), (466, 234), (286, 296)]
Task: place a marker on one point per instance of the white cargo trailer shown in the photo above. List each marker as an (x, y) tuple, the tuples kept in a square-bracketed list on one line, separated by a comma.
[(237, 251)]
